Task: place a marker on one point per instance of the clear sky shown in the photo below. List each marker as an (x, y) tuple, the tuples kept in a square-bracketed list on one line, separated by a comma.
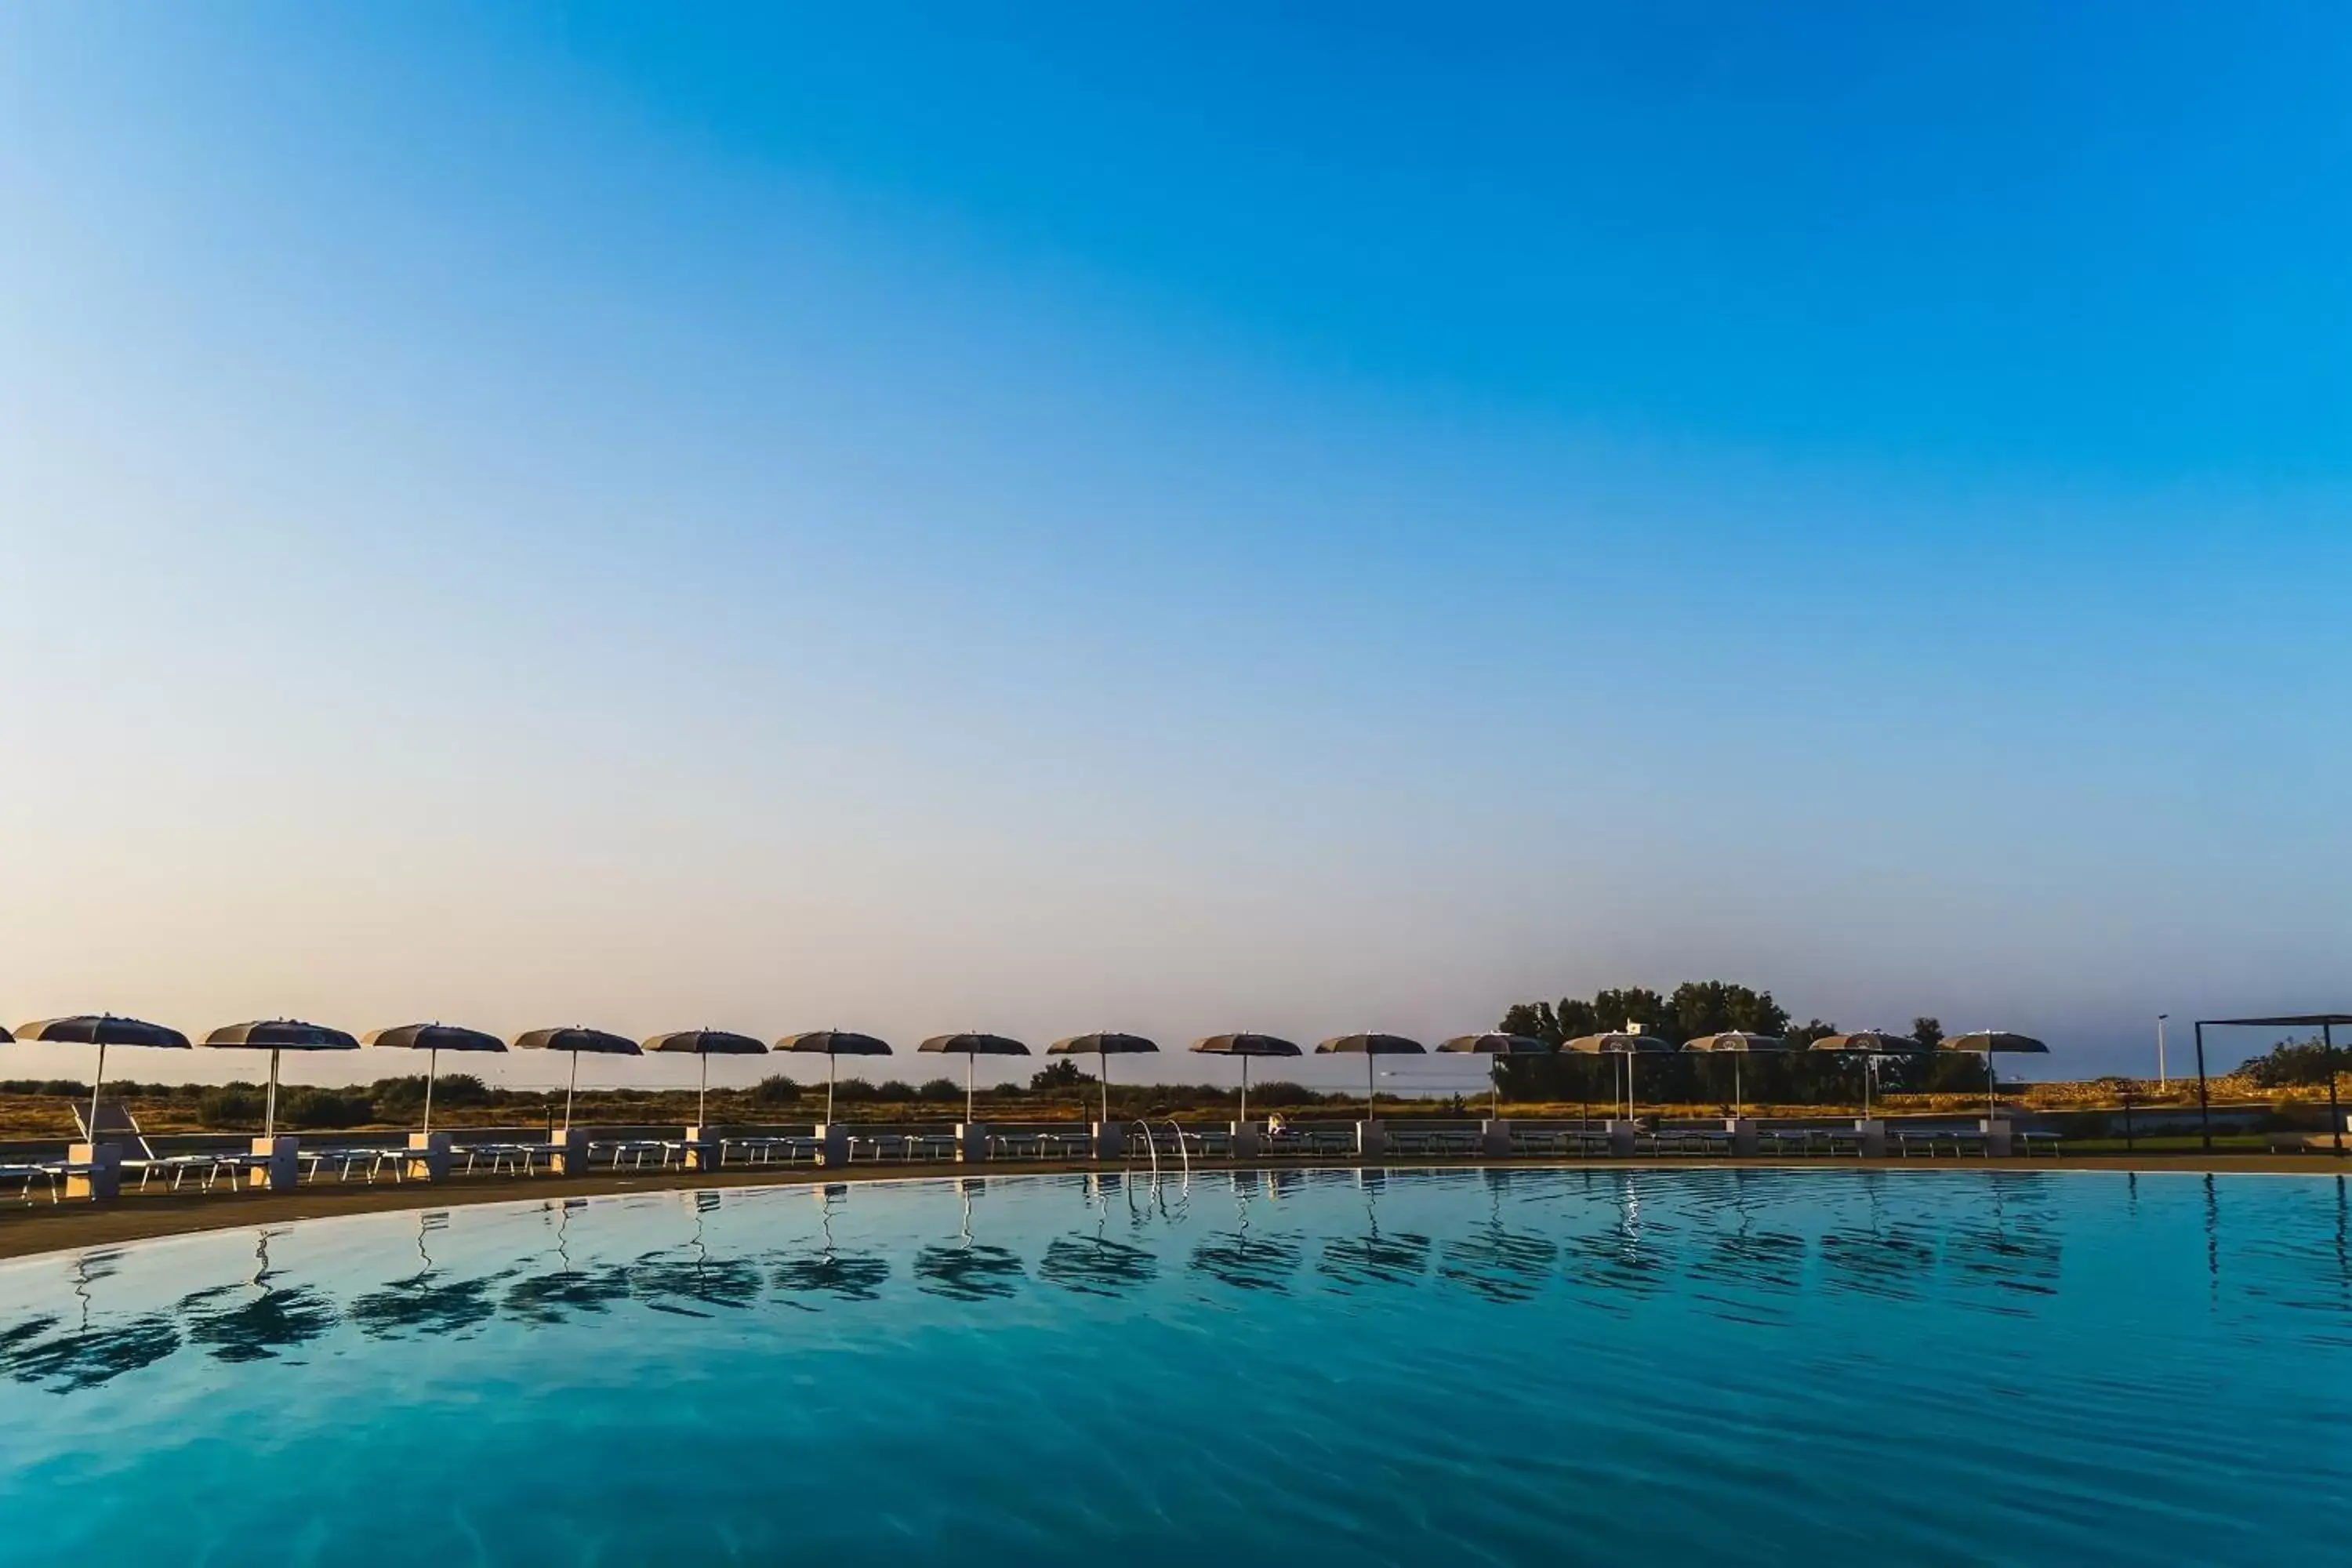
[(1041, 518)]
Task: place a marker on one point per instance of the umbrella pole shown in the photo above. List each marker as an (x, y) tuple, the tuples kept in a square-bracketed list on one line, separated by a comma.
[(432, 1059), (1992, 1091), (1739, 1106), (702, 1091), (269, 1107), (969, 1059), (570, 1089), (1102, 1069), (94, 1089), (1495, 1085), (1368, 1086), (831, 1066), (1245, 1091)]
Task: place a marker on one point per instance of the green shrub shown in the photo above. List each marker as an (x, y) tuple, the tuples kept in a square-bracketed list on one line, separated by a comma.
[(940, 1089), (233, 1106), (323, 1107), (852, 1091), (895, 1091), (775, 1090)]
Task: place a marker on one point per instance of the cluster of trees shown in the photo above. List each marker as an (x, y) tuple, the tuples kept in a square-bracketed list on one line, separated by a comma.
[(2295, 1064), (1798, 1076)]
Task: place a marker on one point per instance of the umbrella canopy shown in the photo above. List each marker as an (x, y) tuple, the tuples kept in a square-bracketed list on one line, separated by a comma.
[(1870, 1045), (971, 1047), (706, 1044), (1989, 1041), (576, 1039), (1244, 1047), (832, 1044), (1622, 1043), (432, 1039), (1617, 1044), (1102, 1048), (101, 1029), (277, 1035), (1495, 1045), (1736, 1043), (1368, 1045)]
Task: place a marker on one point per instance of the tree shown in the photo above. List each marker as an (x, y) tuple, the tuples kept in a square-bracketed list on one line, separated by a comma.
[(1928, 1032), (2290, 1064), (1058, 1075)]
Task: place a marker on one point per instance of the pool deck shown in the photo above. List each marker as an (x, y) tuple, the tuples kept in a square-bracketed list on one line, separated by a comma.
[(41, 1227)]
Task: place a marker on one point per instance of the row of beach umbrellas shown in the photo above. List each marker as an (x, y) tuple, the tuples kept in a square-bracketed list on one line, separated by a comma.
[(277, 1036)]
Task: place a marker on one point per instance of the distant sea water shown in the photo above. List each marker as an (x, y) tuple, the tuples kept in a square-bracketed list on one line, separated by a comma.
[(1459, 1367)]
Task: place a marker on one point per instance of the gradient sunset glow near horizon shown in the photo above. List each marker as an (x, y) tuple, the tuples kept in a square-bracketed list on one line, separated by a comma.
[(1339, 519)]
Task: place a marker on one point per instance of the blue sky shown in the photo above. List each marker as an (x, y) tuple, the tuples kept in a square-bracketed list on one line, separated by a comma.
[(1050, 518)]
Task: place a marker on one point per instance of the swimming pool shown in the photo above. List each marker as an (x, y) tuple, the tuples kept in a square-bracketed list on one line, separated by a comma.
[(1509, 1366)]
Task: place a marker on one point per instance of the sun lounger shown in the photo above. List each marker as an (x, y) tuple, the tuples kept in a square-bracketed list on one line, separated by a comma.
[(503, 1157), (28, 1174), (636, 1151), (373, 1156), (2027, 1142), (764, 1150), (115, 1124)]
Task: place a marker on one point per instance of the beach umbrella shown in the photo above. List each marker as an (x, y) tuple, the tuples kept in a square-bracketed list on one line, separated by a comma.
[(432, 1039), (706, 1044), (1870, 1045), (971, 1047), (1102, 1048), (1494, 1047), (101, 1029), (277, 1036), (577, 1040), (1627, 1043), (1736, 1043), (1368, 1045), (1245, 1047), (832, 1044), (1988, 1041)]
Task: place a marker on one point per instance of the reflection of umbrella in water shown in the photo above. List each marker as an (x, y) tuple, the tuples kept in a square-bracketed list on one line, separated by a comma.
[(968, 1271), (1495, 1046), (1368, 1045), (971, 1047), (576, 1040), (1988, 1041), (706, 1044), (432, 1039), (1871, 1046), (100, 1029), (1096, 1264), (850, 1276), (424, 1301), (1374, 1258), (256, 1328), (276, 1036), (1503, 1264), (1245, 1046), (1736, 1043), (1102, 1048), (1626, 1043), (832, 1044)]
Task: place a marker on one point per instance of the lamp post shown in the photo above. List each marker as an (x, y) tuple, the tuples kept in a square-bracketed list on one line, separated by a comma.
[(2161, 1082)]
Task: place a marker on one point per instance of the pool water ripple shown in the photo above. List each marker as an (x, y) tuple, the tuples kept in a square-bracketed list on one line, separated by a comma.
[(1504, 1367)]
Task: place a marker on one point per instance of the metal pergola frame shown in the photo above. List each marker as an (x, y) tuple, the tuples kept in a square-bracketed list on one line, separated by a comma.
[(2324, 1022)]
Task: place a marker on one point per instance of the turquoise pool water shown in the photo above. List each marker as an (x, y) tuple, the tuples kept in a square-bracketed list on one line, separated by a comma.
[(1520, 1367)]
